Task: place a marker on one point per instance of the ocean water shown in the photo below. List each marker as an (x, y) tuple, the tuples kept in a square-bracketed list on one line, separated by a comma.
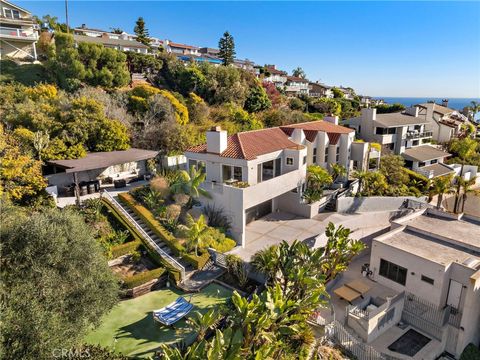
[(453, 103)]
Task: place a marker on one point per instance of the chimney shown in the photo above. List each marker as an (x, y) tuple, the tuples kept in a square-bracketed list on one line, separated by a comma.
[(369, 114), (216, 140), (445, 102), (84, 26), (413, 111), (331, 119)]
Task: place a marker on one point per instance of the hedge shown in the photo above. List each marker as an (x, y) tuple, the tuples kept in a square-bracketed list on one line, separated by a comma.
[(197, 262), (142, 278), (153, 254), (124, 249), (471, 352), (152, 223), (178, 249)]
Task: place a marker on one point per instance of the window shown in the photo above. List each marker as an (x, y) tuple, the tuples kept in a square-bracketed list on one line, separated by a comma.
[(415, 143), (304, 160), (337, 157), (421, 164), (393, 272), (392, 130), (192, 163), (11, 13), (427, 279), (314, 157), (359, 129), (434, 161), (237, 173), (278, 167), (289, 161), (380, 131), (326, 154), (226, 172)]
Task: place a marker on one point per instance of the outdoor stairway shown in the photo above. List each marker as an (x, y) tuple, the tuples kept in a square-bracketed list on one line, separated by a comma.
[(202, 278), (331, 205), (162, 249)]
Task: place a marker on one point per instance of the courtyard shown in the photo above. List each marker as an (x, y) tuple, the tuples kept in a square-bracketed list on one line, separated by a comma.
[(130, 329)]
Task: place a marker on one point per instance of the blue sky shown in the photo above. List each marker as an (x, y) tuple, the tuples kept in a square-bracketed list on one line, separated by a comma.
[(409, 49)]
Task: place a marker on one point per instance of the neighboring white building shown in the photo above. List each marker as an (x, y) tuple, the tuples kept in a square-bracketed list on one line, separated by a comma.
[(296, 86), (403, 133), (18, 32), (277, 77), (445, 123), (434, 259), (254, 173)]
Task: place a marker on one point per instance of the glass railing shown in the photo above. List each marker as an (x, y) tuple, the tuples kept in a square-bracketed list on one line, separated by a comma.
[(5, 31)]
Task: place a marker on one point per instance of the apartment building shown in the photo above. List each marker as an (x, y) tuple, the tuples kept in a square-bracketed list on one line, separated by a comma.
[(254, 173), (18, 32), (444, 123), (403, 133), (296, 86), (316, 89), (432, 260)]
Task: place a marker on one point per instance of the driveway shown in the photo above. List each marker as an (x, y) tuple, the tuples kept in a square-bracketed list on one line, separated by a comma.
[(276, 227)]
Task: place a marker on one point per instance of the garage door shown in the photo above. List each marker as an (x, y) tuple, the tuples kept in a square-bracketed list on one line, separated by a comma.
[(258, 211)]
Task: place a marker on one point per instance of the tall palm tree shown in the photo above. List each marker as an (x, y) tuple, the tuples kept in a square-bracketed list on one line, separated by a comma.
[(338, 171), (362, 177), (464, 149), (466, 187), (188, 182), (474, 108), (440, 186), (196, 231)]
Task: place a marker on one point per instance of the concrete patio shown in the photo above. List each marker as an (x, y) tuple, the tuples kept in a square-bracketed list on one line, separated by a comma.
[(275, 227)]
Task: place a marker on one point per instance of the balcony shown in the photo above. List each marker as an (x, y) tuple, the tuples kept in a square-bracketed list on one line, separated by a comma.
[(418, 135), (18, 34)]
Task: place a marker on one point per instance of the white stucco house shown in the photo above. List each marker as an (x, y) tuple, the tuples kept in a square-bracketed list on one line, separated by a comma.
[(444, 123), (254, 173), (430, 260), (403, 133)]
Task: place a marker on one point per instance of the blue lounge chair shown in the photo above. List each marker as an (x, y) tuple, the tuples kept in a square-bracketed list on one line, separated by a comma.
[(173, 312)]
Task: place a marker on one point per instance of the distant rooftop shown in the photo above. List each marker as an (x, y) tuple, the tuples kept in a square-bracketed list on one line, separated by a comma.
[(399, 119), (108, 41), (437, 108), (424, 153), (438, 169)]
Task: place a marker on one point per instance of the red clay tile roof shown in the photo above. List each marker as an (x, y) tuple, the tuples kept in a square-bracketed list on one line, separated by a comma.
[(296, 79), (250, 144), (183, 46)]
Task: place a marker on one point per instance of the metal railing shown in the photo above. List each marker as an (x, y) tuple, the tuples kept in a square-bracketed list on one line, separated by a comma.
[(419, 135), (147, 237), (20, 33)]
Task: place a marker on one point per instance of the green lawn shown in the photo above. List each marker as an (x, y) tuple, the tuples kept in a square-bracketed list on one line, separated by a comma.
[(137, 333)]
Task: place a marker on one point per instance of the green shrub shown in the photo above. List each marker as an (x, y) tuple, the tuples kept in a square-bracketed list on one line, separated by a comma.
[(471, 352), (124, 249), (197, 262), (142, 278), (217, 240), (152, 223)]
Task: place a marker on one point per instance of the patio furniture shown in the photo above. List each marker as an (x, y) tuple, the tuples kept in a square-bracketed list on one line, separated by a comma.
[(359, 286), (173, 312)]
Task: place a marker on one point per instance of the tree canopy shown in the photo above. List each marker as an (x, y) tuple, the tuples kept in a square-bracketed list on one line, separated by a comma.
[(142, 32), (55, 282)]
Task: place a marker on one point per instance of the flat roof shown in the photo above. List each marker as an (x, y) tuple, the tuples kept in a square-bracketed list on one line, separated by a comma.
[(100, 160), (438, 169), (424, 153), (108, 41), (399, 119), (438, 238)]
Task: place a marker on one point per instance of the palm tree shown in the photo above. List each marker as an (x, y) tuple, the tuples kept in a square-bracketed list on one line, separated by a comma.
[(201, 324), (196, 231), (362, 177), (318, 177), (338, 171), (464, 149), (153, 199), (266, 261), (466, 187), (474, 108), (439, 186), (189, 183)]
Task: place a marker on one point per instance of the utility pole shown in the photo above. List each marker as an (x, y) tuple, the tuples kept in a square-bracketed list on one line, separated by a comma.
[(66, 16)]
